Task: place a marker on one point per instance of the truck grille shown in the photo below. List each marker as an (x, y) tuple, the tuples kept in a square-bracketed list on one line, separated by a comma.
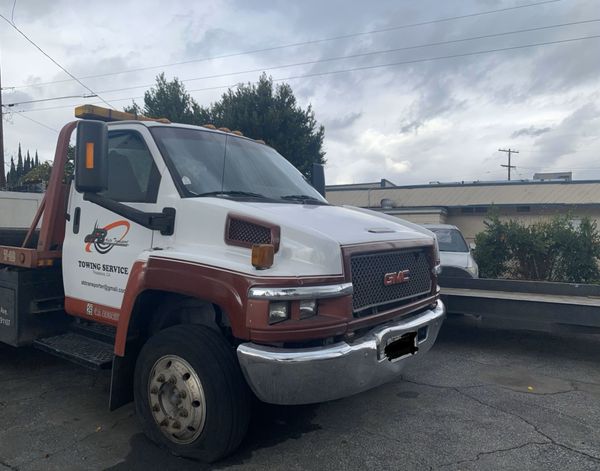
[(369, 271)]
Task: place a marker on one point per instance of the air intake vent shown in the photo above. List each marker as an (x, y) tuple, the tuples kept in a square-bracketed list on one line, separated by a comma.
[(245, 232)]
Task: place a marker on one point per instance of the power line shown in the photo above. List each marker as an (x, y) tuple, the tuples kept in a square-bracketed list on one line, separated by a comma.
[(37, 122), (364, 54), (56, 63), (303, 43), (368, 67), (317, 61), (9, 105)]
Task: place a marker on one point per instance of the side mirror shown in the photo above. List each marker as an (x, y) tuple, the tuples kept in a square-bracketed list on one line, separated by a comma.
[(318, 178), (91, 157), (472, 246)]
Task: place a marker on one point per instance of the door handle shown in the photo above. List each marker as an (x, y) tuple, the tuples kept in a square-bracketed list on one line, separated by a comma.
[(76, 217)]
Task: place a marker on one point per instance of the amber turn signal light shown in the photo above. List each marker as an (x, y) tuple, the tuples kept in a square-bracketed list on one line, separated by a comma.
[(262, 256), (89, 155)]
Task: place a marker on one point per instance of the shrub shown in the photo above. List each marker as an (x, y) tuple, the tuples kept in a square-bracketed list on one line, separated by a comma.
[(552, 250)]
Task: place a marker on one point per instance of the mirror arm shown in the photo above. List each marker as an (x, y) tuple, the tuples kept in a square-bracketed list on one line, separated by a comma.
[(163, 222)]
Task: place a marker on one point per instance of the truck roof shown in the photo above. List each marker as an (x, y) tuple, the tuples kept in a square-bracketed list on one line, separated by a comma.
[(115, 117)]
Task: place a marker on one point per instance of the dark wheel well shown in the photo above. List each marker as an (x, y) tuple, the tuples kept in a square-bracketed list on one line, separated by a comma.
[(156, 310), (153, 312)]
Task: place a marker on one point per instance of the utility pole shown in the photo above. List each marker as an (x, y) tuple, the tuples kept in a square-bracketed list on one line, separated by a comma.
[(509, 166), (2, 167)]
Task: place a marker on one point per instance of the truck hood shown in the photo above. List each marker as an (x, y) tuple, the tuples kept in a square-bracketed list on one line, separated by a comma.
[(345, 225), (310, 239)]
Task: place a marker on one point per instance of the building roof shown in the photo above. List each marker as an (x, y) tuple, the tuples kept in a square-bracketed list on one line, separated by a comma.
[(582, 192), (383, 183)]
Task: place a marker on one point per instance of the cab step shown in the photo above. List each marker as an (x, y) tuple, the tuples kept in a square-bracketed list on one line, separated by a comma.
[(85, 350)]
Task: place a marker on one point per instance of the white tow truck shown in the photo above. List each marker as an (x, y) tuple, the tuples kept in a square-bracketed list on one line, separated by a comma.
[(201, 267)]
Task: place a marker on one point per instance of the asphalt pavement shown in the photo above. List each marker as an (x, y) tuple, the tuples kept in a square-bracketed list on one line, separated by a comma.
[(480, 399)]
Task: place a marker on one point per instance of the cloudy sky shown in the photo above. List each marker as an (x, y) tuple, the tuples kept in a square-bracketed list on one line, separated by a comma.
[(410, 113)]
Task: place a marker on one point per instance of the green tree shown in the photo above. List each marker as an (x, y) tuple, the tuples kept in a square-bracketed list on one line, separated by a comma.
[(39, 174), (12, 174), (19, 172), (272, 113), (37, 160), (27, 165), (260, 111), (167, 100)]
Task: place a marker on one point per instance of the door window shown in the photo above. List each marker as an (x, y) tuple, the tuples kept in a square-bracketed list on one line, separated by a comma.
[(132, 173)]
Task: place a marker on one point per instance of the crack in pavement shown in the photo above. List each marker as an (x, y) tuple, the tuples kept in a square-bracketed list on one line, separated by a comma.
[(7, 465), (512, 414), (73, 443), (492, 452), (534, 426)]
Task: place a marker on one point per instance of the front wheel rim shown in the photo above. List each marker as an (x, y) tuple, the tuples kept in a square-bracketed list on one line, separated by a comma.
[(176, 399)]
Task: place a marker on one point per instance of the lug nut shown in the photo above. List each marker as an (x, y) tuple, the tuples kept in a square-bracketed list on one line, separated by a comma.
[(154, 390), (155, 408), (176, 425), (164, 423), (172, 380), (183, 413), (182, 394), (161, 378)]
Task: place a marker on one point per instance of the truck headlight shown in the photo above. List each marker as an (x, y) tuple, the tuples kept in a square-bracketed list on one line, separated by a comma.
[(278, 312), (308, 308)]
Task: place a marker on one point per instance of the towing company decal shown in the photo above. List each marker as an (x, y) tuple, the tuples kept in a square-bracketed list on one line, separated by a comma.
[(105, 238), (101, 312)]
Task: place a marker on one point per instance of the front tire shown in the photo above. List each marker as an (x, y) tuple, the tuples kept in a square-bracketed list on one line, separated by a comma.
[(190, 395)]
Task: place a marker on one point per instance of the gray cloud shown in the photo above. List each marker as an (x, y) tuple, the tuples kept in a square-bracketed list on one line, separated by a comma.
[(412, 123), (531, 131), (342, 122), (573, 132)]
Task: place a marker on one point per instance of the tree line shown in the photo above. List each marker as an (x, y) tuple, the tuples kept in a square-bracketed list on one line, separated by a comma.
[(20, 173), (259, 110)]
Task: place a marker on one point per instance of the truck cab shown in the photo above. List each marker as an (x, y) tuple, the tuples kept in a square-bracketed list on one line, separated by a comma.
[(221, 273)]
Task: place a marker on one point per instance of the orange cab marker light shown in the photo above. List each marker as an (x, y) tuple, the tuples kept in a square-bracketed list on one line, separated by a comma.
[(237, 133), (224, 129), (263, 256), (89, 155), (209, 126)]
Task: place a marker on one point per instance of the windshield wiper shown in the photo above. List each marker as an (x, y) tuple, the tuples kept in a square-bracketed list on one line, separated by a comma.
[(232, 193), (306, 199)]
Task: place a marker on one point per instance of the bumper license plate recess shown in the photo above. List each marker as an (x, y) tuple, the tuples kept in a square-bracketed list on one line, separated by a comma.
[(402, 346)]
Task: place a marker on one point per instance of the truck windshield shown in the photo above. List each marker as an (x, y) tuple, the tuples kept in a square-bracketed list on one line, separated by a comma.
[(222, 165), (450, 240)]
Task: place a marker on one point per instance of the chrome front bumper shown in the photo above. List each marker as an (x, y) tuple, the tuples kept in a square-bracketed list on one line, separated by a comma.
[(309, 375)]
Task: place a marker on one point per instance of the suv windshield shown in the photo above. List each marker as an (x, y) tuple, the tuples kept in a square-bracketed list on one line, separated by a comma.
[(213, 164), (450, 240)]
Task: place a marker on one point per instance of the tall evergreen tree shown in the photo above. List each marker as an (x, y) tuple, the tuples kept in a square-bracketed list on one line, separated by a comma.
[(37, 161), (19, 172), (10, 178), (27, 165)]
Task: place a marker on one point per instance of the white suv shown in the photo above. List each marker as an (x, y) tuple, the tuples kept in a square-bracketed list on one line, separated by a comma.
[(455, 256)]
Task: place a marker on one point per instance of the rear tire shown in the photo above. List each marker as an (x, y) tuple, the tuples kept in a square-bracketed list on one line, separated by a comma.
[(190, 395)]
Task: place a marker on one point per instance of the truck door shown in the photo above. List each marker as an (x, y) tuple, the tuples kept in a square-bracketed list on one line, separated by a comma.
[(100, 246)]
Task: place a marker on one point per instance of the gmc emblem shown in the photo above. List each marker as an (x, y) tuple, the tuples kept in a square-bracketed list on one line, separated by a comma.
[(396, 278)]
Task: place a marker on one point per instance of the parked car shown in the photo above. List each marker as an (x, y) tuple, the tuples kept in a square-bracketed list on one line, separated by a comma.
[(455, 254)]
